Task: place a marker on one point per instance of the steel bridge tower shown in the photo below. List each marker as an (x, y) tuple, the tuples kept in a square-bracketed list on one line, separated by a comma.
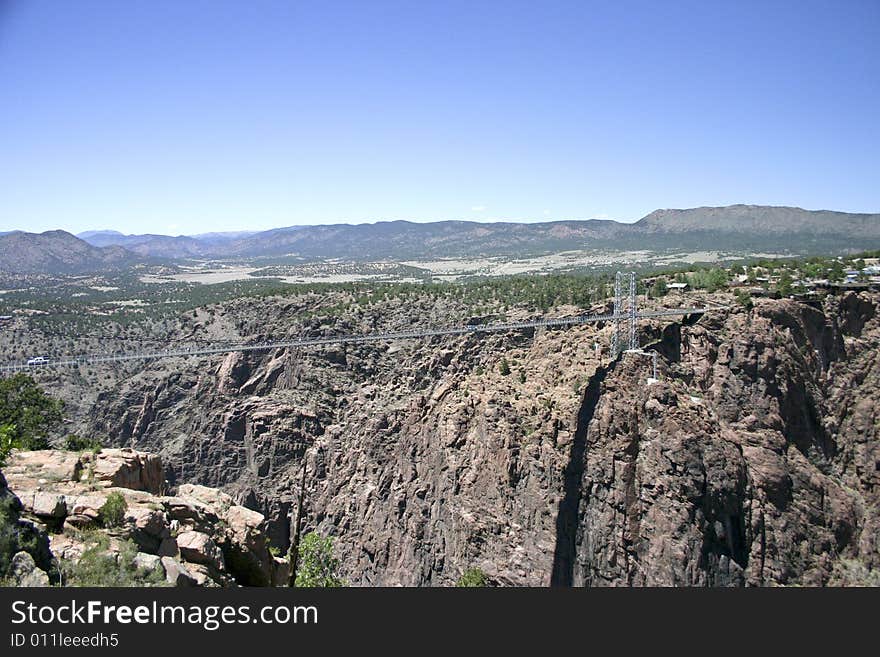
[(624, 308)]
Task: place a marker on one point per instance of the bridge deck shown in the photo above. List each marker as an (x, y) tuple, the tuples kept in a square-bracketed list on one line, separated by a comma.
[(74, 361)]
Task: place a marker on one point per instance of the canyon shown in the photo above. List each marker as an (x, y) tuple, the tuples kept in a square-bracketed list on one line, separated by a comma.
[(751, 460)]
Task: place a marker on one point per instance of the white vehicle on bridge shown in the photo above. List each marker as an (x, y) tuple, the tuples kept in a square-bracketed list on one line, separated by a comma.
[(37, 361)]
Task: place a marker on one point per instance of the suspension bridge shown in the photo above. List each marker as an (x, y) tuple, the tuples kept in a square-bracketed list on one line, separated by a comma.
[(624, 318)]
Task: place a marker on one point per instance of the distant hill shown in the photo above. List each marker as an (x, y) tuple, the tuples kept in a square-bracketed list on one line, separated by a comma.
[(384, 239), (58, 252), (224, 236), (752, 228), (404, 240), (736, 227), (760, 228), (762, 220), (162, 246), (96, 237), (165, 246)]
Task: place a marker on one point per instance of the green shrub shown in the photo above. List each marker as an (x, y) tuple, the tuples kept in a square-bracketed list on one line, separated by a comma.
[(98, 567), (9, 544), (473, 578), (316, 566), (659, 289), (7, 431), (504, 367), (710, 280), (28, 413), (785, 284), (112, 513), (744, 299), (75, 443), (17, 538)]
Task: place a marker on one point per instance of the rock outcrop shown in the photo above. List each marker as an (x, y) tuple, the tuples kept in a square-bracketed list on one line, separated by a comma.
[(24, 572), (25, 559), (196, 537)]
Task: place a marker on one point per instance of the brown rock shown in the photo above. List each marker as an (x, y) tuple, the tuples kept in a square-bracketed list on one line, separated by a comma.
[(196, 547), (246, 551), (214, 499), (148, 520), (126, 468)]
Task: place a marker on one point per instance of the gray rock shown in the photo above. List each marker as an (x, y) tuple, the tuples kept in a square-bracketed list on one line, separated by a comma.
[(148, 562), (49, 505), (176, 573), (23, 571)]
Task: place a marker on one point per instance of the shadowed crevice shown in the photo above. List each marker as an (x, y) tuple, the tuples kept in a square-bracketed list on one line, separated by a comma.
[(567, 518)]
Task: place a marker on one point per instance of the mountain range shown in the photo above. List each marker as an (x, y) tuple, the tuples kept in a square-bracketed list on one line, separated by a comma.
[(58, 252), (747, 228)]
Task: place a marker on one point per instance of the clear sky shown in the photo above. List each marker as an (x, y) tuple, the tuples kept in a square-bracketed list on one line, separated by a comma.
[(187, 116)]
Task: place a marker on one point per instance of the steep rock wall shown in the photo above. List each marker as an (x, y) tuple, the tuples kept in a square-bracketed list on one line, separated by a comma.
[(752, 462)]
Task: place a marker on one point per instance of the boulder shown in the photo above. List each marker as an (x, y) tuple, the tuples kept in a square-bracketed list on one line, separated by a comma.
[(50, 505), (245, 525), (176, 573), (216, 500), (43, 504), (148, 562), (280, 572), (81, 503), (127, 468), (23, 571), (197, 547), (168, 548), (189, 513), (149, 521), (86, 520), (83, 511), (66, 548), (206, 576), (148, 527), (245, 549)]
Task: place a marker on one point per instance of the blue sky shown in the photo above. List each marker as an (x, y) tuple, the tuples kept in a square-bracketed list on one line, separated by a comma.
[(186, 117)]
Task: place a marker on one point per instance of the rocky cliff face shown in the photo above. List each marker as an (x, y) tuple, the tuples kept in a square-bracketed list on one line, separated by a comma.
[(752, 461)]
